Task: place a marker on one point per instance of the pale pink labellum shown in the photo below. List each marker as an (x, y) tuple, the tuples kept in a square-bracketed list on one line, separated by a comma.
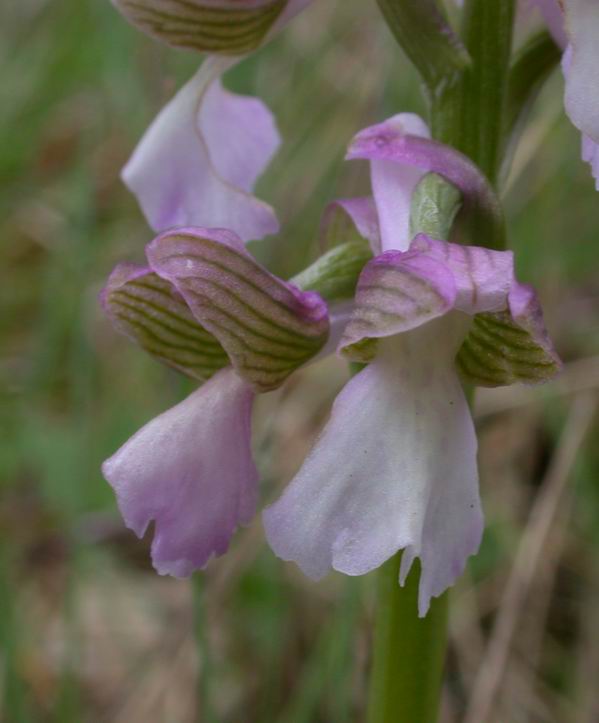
[(395, 468), (190, 471)]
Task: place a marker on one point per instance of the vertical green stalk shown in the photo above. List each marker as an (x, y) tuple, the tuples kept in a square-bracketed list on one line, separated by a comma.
[(204, 710), (409, 651), (466, 83), (487, 32)]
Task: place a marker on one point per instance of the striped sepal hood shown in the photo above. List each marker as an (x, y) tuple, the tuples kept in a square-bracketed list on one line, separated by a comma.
[(224, 27), (152, 313), (267, 326)]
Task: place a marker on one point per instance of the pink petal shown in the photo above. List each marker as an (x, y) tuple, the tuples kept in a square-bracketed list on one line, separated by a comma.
[(554, 17), (342, 218), (395, 144), (393, 180), (190, 470), (483, 277), (396, 292), (590, 154), (580, 64), (394, 468), (199, 160)]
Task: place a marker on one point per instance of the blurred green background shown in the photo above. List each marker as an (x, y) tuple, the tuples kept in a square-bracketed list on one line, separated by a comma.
[(87, 631)]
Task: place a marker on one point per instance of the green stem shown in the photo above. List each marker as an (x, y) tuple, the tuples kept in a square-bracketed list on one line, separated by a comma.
[(205, 712), (487, 31), (409, 651), (468, 110)]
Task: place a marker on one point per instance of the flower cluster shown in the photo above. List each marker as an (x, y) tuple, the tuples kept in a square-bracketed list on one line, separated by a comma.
[(395, 467)]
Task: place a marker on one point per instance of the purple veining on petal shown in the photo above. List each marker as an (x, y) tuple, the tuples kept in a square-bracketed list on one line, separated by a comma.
[(121, 274), (483, 277), (525, 310), (237, 29), (398, 291), (267, 326), (151, 312), (190, 470)]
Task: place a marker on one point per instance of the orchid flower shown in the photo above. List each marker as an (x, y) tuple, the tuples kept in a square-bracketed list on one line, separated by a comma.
[(395, 467), (203, 305), (199, 160), (574, 25)]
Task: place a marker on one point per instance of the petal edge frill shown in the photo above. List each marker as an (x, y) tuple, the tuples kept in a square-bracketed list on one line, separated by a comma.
[(394, 468)]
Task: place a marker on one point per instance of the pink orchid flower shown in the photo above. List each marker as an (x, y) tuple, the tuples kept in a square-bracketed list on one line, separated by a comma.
[(395, 467), (204, 306)]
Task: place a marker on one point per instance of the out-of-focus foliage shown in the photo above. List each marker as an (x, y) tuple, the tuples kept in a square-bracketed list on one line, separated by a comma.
[(87, 631)]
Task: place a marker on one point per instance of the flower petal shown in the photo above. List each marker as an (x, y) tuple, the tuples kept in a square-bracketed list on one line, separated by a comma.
[(149, 311), (190, 470), (396, 292), (580, 64), (348, 219), (393, 181), (395, 143), (199, 160), (590, 154), (268, 327), (482, 277), (510, 346), (554, 17), (213, 26), (394, 468)]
